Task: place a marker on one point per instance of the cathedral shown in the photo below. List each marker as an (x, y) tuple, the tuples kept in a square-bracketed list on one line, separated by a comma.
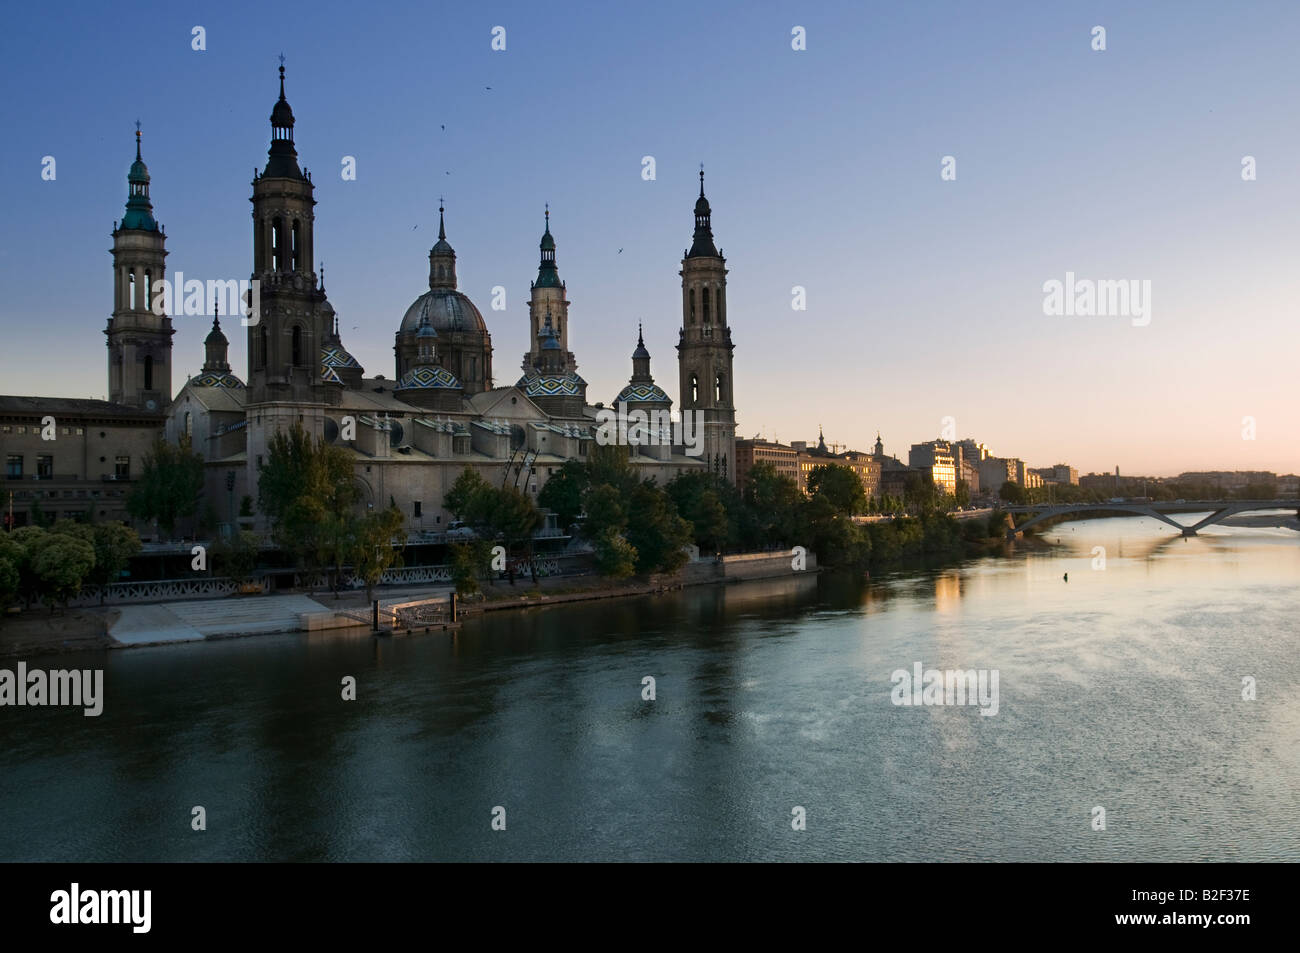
[(411, 435)]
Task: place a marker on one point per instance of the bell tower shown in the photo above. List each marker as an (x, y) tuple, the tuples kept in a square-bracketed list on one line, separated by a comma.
[(285, 343), (548, 296), (704, 348), (139, 338)]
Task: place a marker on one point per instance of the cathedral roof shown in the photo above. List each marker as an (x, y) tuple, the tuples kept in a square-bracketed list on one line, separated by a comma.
[(642, 393), (446, 309), (217, 379), (333, 355), (551, 385), (425, 377)]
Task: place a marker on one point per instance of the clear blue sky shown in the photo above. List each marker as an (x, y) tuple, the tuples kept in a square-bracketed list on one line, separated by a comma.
[(924, 296)]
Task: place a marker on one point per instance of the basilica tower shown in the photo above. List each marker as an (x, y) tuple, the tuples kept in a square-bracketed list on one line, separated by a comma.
[(704, 349), (139, 340), (294, 326), (547, 295)]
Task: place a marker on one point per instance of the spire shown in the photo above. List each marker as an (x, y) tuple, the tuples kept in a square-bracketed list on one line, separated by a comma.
[(640, 359), (139, 210), (442, 257), (548, 276), (282, 160), (703, 246), (215, 345)]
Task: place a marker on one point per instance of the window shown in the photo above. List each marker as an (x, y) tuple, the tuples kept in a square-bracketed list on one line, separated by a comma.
[(189, 424), (695, 389), (21, 431), (44, 467), (148, 372), (261, 352), (418, 514), (720, 386), (297, 346), (122, 468), (705, 297), (692, 306), (14, 466), (296, 249), (7, 429), (259, 461)]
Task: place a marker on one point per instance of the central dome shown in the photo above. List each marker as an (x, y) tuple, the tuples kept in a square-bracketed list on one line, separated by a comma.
[(447, 310)]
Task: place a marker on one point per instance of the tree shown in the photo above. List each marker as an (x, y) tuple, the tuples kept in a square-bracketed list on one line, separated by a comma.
[(469, 560), (604, 506), (615, 556), (169, 485), (236, 558), (11, 557), (608, 465), (698, 502), (1012, 493), (61, 562), (308, 491), (655, 530), (962, 494), (114, 544), (513, 517), (840, 486), (777, 503), (375, 546), (562, 494), (470, 498)]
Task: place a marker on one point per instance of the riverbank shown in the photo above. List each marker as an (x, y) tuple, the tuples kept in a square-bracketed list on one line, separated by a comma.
[(39, 632)]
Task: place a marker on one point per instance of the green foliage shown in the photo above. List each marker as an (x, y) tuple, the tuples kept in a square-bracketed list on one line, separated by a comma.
[(236, 558), (655, 530), (308, 490), (61, 562), (840, 487), (562, 494), (615, 556), (777, 505), (1013, 493), (246, 506), (11, 556), (469, 561), (115, 544), (698, 498), (169, 485), (470, 498), (375, 546)]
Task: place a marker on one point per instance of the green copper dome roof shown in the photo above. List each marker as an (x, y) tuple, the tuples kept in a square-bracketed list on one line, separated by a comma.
[(139, 210)]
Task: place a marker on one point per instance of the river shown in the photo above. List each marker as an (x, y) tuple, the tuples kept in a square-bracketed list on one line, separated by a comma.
[(1121, 689)]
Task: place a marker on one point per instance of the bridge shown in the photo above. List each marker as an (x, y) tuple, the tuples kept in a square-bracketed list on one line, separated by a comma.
[(1220, 510)]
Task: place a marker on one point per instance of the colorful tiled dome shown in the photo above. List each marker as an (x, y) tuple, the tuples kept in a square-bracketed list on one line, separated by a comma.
[(426, 378), (642, 393), (551, 385), (217, 379)]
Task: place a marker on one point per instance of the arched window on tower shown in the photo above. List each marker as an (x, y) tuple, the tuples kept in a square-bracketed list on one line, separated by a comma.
[(277, 244), (692, 306), (148, 372), (297, 346), (148, 289), (720, 389), (261, 347), (130, 301), (695, 389), (705, 292), (296, 249)]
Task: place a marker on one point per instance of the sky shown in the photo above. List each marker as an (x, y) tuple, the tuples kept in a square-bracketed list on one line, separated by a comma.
[(924, 296)]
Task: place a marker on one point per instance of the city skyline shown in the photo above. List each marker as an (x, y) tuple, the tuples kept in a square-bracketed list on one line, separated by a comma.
[(1042, 388)]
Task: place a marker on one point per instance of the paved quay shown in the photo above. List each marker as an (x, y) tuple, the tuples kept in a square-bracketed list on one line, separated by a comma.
[(210, 618)]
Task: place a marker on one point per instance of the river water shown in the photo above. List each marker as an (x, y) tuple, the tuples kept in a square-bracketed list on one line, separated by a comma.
[(1121, 689)]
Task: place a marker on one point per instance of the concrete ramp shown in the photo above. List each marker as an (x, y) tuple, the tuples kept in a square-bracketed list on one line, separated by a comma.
[(212, 618)]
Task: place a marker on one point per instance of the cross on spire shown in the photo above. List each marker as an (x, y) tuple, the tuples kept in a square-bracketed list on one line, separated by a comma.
[(701, 178)]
